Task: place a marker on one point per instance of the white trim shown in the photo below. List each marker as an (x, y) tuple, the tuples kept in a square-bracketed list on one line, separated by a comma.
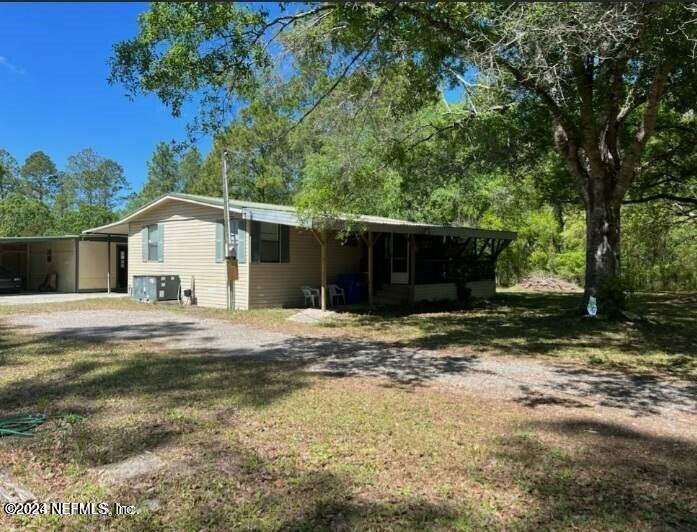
[(151, 206)]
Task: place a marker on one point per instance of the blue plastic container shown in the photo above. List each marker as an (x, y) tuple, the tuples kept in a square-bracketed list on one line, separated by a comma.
[(355, 287)]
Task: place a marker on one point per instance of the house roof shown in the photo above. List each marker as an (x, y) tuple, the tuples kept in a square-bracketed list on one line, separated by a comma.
[(287, 215)]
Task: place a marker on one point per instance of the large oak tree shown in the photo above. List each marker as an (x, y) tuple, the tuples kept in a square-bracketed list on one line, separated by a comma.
[(600, 72)]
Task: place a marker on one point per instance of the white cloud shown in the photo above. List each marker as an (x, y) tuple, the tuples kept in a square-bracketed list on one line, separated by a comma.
[(4, 62)]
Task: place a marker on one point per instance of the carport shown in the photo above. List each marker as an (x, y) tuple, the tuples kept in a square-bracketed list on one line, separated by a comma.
[(71, 263)]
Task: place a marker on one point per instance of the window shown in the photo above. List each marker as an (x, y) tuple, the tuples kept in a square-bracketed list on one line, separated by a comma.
[(270, 242), (153, 243), (49, 255)]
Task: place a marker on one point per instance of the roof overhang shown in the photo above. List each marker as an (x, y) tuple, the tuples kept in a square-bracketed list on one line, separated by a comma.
[(288, 216)]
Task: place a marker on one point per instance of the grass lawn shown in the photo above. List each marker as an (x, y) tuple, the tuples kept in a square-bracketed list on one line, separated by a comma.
[(544, 326), (254, 445)]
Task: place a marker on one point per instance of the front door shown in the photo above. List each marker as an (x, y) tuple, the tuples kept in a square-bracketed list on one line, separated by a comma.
[(399, 270), (121, 267)]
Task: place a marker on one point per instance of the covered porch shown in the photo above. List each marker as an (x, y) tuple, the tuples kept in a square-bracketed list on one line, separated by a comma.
[(405, 263)]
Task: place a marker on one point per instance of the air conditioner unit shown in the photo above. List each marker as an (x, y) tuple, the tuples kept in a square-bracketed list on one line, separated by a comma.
[(152, 288)]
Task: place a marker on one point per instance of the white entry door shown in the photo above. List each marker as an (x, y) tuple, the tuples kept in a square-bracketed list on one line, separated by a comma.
[(399, 270)]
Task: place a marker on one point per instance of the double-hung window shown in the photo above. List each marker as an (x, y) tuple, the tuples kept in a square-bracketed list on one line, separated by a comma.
[(270, 242), (153, 243)]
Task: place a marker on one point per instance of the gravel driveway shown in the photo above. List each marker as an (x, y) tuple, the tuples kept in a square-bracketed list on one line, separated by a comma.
[(526, 382)]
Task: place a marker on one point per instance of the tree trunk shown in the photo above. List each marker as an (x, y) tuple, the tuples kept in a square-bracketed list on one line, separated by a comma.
[(602, 244)]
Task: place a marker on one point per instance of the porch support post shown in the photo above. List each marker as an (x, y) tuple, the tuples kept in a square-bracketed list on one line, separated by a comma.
[(322, 239), (323, 248), (108, 264), (369, 239), (412, 270)]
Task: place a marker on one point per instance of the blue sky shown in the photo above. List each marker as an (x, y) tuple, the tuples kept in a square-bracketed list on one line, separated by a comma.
[(54, 95)]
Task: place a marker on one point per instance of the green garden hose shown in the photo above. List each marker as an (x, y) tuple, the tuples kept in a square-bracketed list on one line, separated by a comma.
[(20, 425)]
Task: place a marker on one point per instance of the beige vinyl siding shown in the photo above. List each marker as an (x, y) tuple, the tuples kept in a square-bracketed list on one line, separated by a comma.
[(189, 250), (62, 263), (278, 284), (93, 265)]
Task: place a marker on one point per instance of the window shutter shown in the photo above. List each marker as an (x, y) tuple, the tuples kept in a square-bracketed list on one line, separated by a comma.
[(284, 236), (256, 241), (219, 244), (241, 241), (144, 243), (161, 242)]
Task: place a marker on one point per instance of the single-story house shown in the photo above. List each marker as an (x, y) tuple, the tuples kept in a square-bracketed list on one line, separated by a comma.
[(72, 263), (278, 252)]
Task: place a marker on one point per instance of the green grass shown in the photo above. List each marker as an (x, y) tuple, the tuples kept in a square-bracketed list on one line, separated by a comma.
[(255, 445), (545, 326)]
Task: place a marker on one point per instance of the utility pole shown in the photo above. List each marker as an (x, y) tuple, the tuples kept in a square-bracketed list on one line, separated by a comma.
[(226, 229)]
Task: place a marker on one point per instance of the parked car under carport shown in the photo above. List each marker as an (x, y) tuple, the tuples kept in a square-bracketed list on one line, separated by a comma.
[(9, 282)]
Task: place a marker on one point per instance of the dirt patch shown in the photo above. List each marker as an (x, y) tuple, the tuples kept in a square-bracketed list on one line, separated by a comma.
[(313, 316), (547, 282), (133, 467)]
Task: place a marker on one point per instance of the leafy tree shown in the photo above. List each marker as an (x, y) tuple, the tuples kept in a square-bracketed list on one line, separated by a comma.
[(190, 169), (41, 175), (67, 194), (262, 164), (597, 73), (8, 174), (75, 221), (94, 180), (24, 216), (163, 173)]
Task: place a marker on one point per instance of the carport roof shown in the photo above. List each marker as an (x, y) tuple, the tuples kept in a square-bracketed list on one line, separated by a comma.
[(286, 215), (46, 238)]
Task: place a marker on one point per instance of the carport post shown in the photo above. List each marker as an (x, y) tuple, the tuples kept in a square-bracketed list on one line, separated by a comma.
[(77, 265), (28, 266)]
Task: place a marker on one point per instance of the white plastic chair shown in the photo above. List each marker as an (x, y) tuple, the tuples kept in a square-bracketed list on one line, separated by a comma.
[(311, 295), (336, 293)]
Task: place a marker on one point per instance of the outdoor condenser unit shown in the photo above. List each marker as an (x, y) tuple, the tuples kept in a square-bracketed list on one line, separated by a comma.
[(151, 288)]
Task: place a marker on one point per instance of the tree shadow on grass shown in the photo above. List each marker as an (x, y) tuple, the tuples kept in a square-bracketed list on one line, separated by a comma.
[(209, 371), (235, 488), (175, 380), (533, 324), (615, 477), (605, 476)]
